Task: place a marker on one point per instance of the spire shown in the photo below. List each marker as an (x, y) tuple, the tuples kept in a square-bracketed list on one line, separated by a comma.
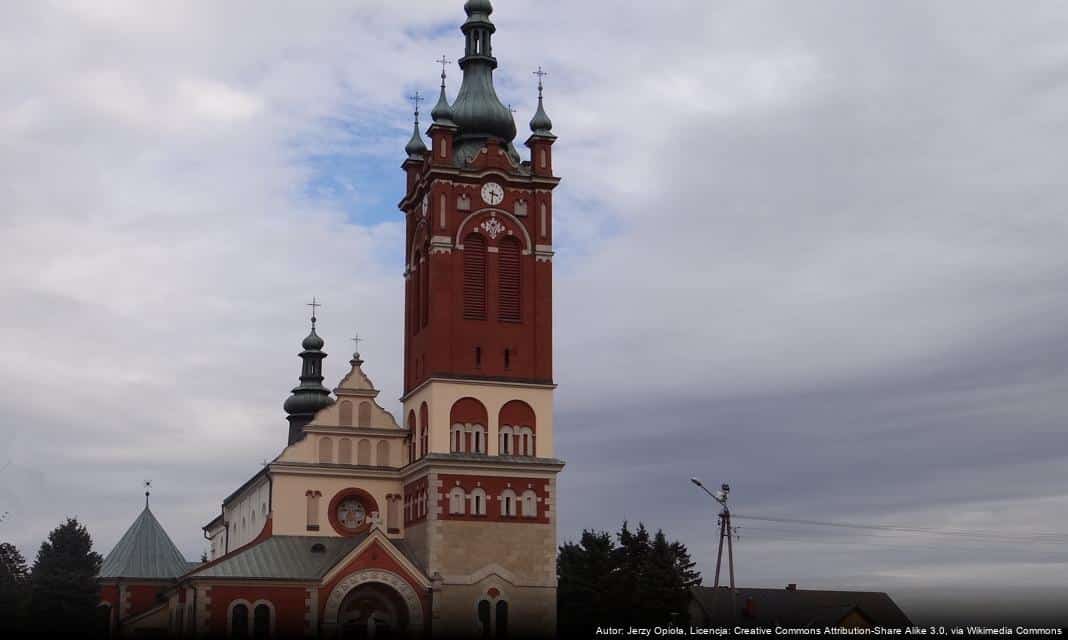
[(144, 551), (478, 111), (540, 123), (442, 112), (415, 147), (310, 395)]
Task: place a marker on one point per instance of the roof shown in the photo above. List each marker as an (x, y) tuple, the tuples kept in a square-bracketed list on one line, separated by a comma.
[(144, 551), (290, 558), (798, 608)]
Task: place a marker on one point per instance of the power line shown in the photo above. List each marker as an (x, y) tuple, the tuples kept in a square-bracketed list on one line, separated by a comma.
[(964, 533)]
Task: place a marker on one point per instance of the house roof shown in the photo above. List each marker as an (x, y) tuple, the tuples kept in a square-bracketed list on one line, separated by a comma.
[(799, 608), (144, 551), (289, 558)]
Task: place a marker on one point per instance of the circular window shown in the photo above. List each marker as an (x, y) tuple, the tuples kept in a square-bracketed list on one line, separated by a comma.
[(352, 511)]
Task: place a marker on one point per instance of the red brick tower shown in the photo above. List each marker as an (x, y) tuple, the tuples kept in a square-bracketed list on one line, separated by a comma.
[(478, 378)]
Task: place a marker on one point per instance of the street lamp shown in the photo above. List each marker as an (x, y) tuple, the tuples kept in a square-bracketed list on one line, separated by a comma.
[(724, 529)]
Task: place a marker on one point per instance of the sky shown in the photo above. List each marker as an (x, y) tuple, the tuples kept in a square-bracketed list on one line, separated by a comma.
[(815, 250)]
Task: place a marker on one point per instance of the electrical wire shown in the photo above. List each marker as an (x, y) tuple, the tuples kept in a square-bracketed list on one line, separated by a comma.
[(1036, 537)]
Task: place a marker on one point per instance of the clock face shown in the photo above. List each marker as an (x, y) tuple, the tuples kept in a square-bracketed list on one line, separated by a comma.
[(492, 193), (351, 514)]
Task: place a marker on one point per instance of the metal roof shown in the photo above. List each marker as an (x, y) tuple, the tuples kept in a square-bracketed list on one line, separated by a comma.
[(289, 558), (144, 551)]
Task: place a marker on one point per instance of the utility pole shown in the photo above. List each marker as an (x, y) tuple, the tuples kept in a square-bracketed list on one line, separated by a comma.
[(726, 533)]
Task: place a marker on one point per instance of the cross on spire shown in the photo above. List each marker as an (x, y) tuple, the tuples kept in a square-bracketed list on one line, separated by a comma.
[(356, 340), (314, 304), (541, 77), (443, 62), (416, 100)]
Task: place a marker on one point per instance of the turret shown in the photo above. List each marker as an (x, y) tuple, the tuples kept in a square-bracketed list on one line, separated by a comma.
[(310, 395)]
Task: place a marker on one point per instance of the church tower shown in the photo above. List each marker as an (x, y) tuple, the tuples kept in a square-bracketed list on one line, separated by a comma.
[(478, 379)]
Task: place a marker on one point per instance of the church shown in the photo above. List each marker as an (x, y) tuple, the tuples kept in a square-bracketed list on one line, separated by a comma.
[(440, 522)]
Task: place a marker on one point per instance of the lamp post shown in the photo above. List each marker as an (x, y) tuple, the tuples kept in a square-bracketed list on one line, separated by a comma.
[(724, 534)]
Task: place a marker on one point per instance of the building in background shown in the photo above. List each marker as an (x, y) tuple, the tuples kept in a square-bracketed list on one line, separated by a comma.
[(444, 524), (794, 608)]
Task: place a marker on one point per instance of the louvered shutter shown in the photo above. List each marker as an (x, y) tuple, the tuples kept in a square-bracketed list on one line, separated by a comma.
[(475, 277), (509, 294)]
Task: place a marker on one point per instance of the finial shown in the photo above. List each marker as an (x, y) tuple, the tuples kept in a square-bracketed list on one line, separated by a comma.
[(443, 62), (541, 76), (540, 123), (356, 340), (416, 100), (148, 490), (315, 308)]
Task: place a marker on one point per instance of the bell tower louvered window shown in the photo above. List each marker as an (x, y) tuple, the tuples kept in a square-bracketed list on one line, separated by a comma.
[(509, 284), (424, 287), (475, 277)]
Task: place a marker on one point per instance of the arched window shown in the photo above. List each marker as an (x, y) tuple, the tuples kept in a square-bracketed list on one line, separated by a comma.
[(326, 450), (344, 451), (484, 610), (526, 442), (261, 622), (475, 277), (457, 440), (509, 504), (502, 619), (506, 441), (424, 421), (393, 514), (478, 439), (530, 504), (478, 502), (363, 453), (345, 413), (456, 501), (239, 621), (364, 417), (508, 281), (412, 443), (519, 416), (382, 454)]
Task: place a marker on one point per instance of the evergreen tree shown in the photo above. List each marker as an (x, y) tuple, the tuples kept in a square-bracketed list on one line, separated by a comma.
[(14, 587), (642, 580), (64, 593), (584, 571)]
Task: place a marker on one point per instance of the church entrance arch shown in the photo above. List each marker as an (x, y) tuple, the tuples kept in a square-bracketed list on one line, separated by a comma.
[(373, 604)]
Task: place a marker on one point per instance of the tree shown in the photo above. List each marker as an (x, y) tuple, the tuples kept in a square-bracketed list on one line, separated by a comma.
[(584, 571), (643, 580), (64, 593), (14, 583)]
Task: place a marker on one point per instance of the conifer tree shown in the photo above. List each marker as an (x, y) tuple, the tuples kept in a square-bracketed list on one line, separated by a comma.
[(14, 588), (586, 571), (64, 592)]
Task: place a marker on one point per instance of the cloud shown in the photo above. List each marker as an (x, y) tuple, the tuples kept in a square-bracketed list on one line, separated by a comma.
[(816, 251)]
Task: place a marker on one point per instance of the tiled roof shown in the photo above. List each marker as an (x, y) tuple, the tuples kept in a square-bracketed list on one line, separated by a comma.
[(290, 558), (144, 551)]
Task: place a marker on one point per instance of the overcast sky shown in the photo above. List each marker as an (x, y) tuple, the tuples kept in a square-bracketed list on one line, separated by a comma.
[(813, 249)]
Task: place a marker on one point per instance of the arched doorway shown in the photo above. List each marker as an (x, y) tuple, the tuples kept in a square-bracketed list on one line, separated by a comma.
[(372, 610), (373, 603)]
